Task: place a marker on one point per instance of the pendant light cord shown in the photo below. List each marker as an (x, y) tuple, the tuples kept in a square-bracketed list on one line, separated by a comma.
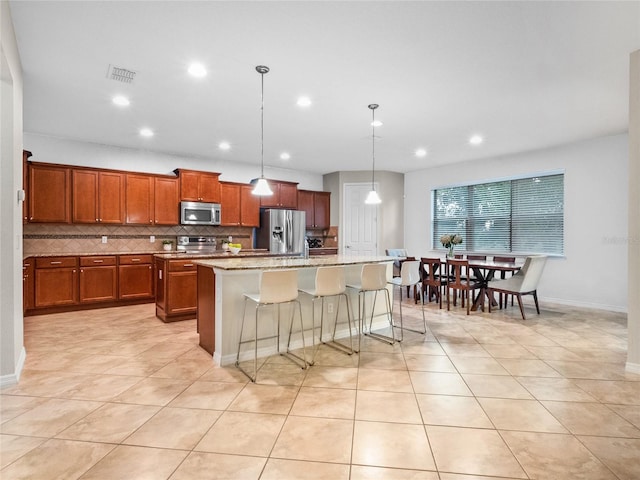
[(373, 147), (262, 126)]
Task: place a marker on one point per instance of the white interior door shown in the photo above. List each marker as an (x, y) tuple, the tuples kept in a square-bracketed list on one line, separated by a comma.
[(360, 227)]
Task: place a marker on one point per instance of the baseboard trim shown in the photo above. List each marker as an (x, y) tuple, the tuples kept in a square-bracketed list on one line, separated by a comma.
[(633, 367), (13, 378)]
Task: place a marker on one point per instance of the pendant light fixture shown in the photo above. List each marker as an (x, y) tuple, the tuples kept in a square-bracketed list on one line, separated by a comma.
[(261, 186), (373, 198)]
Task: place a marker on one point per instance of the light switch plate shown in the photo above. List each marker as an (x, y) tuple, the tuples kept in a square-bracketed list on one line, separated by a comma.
[(104, 239), (152, 238)]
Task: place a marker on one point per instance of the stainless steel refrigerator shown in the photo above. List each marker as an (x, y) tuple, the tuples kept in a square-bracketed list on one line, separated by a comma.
[(281, 231)]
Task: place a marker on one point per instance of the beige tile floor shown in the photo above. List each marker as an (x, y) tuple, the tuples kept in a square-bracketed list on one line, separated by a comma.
[(117, 394)]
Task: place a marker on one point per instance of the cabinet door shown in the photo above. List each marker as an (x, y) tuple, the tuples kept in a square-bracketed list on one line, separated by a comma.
[(28, 273), (25, 185), (305, 203), (98, 284), (135, 281), (161, 283), (288, 195), (49, 194), (182, 292), (139, 199), (230, 204), (84, 196), (167, 201), (209, 188), (111, 197), (249, 207), (189, 191), (321, 212), (56, 286)]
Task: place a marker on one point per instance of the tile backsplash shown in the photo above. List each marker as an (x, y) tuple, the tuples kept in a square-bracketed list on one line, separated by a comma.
[(45, 238)]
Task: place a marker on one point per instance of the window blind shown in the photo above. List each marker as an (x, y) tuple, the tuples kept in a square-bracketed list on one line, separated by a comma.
[(523, 215)]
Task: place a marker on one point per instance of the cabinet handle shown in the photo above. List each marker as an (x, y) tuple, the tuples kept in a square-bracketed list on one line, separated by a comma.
[(98, 261), (81, 270), (135, 259), (188, 265), (56, 263)]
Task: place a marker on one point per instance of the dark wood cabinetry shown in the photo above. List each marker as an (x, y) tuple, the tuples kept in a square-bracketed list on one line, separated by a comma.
[(25, 185), (49, 193), (135, 277), (97, 196), (151, 200), (56, 281), (176, 290), (316, 206), (285, 195), (98, 279), (28, 283), (198, 186), (239, 206)]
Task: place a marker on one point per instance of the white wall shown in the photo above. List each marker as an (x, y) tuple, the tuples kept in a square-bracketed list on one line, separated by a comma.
[(69, 152), (12, 352), (594, 268)]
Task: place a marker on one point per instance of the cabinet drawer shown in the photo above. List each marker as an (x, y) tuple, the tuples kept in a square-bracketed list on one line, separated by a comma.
[(56, 262), (181, 265), (135, 259), (98, 261)]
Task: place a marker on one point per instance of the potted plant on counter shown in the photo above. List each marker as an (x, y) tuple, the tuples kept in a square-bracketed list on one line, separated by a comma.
[(167, 244)]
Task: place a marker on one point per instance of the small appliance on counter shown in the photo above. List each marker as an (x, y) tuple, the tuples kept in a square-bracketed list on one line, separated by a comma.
[(196, 245), (281, 231)]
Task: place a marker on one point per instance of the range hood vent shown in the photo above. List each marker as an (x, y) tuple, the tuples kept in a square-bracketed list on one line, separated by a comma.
[(120, 74)]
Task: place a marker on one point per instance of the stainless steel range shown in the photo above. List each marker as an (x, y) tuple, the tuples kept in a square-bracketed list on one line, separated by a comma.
[(196, 245)]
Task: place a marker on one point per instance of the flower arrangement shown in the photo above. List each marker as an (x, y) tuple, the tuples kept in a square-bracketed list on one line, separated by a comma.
[(450, 241)]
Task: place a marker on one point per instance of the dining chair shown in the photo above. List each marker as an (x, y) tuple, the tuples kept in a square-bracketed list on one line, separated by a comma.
[(399, 253), (503, 275), (277, 287), (459, 281), (433, 280), (524, 282), (472, 257), (409, 277), (329, 282)]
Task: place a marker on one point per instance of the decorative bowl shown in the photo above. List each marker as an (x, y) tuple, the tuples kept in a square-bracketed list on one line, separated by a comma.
[(235, 250)]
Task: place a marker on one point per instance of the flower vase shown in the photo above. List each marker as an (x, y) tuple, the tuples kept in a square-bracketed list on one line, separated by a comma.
[(450, 252)]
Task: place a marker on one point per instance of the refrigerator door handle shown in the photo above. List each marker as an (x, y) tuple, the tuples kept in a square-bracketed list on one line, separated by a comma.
[(289, 229)]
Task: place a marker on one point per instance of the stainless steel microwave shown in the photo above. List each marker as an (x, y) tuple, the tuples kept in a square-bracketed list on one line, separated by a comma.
[(199, 213)]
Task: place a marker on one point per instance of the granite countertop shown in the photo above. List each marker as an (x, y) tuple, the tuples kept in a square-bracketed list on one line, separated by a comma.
[(157, 253), (262, 263)]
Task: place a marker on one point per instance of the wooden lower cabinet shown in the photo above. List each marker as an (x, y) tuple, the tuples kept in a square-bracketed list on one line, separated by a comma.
[(176, 290), (98, 279), (28, 283), (135, 277), (56, 282)]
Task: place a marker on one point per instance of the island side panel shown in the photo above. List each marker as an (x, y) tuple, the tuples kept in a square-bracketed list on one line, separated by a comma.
[(206, 308)]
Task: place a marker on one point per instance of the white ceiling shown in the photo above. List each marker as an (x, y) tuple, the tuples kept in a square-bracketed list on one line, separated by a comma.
[(525, 75)]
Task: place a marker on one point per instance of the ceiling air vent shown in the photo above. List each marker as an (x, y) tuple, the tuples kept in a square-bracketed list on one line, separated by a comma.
[(120, 74)]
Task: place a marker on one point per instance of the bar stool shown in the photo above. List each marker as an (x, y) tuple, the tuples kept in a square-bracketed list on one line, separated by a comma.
[(330, 282), (277, 287), (409, 277), (373, 279)]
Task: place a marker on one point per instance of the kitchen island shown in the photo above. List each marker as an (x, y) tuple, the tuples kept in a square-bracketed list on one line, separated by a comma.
[(222, 282)]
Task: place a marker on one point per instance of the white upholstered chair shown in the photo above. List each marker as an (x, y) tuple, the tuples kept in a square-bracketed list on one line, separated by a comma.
[(409, 277)]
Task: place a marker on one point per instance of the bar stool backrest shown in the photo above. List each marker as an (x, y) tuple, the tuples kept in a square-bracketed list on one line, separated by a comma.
[(374, 276), (278, 286), (330, 281), (410, 272)]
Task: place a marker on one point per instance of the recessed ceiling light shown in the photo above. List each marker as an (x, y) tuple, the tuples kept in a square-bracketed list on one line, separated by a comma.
[(377, 123), (224, 146), (285, 156), (303, 102), (197, 70), (121, 101), (476, 140), (146, 132), (421, 152)]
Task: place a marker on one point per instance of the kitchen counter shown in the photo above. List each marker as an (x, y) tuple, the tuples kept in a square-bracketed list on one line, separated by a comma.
[(223, 281)]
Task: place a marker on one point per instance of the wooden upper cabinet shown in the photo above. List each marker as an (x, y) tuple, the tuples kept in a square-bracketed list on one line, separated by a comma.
[(25, 185), (249, 207), (285, 195), (198, 186), (152, 200), (49, 193), (167, 201), (139, 202), (229, 203), (97, 196), (316, 206)]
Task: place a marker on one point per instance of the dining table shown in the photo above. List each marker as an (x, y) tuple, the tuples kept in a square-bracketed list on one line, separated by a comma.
[(484, 271)]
